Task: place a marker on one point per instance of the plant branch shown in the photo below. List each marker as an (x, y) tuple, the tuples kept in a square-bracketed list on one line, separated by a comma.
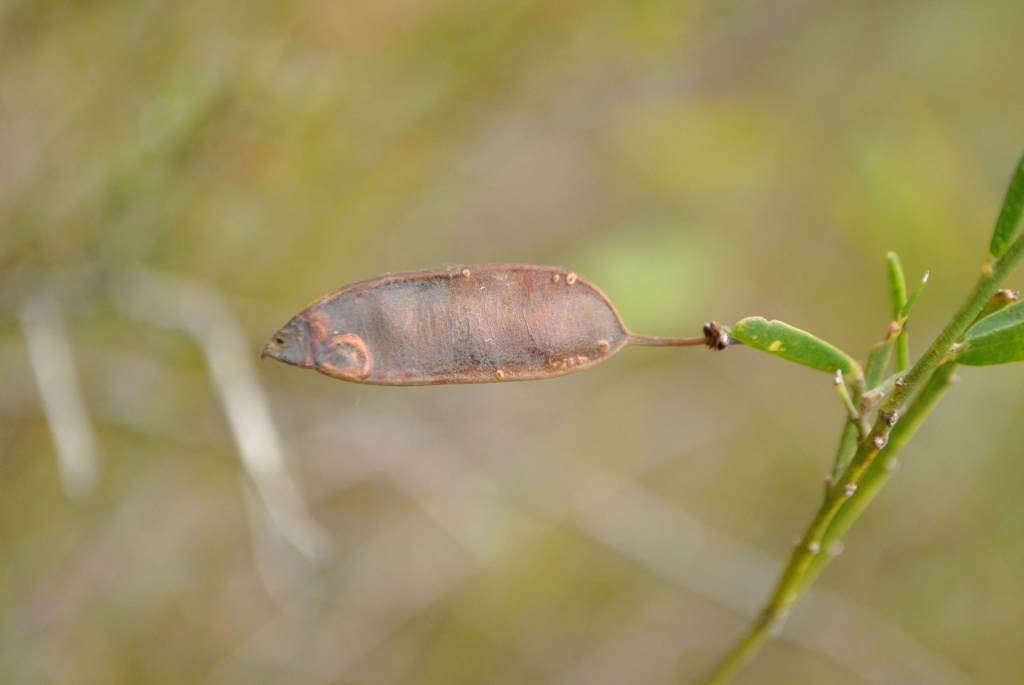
[(878, 474), (802, 566)]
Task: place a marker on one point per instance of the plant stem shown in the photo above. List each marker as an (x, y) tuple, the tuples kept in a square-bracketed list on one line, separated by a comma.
[(743, 652), (879, 473), (874, 478), (903, 351), (802, 566)]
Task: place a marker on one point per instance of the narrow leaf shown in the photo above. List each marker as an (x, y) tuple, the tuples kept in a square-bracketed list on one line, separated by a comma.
[(790, 343), (1001, 300), (898, 286), (905, 312), (847, 448), (878, 362), (1010, 216), (897, 283), (996, 339)]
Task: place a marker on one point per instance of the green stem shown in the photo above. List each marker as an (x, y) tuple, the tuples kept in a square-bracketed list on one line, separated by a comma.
[(801, 567), (743, 652), (787, 590), (986, 287), (878, 474), (903, 351)]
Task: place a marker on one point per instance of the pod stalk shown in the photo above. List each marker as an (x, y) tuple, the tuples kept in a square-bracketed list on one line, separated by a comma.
[(653, 340), (715, 337)]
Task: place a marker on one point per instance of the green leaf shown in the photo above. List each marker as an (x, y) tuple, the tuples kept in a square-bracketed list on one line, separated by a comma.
[(847, 448), (996, 339), (905, 312), (878, 362), (1001, 300), (897, 284), (1010, 216), (793, 344)]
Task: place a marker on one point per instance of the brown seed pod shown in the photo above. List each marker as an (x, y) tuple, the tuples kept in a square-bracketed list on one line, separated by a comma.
[(473, 324)]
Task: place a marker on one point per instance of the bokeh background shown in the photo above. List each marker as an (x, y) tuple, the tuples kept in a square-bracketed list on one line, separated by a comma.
[(178, 178)]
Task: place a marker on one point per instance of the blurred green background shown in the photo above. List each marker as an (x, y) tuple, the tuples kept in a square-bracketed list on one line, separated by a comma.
[(696, 160)]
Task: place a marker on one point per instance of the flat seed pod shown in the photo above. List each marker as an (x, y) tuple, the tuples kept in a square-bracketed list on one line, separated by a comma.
[(471, 324)]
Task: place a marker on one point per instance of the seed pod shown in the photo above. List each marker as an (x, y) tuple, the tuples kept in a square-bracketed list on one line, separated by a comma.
[(471, 324)]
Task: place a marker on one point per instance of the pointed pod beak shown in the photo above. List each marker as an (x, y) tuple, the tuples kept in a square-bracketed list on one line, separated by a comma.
[(273, 348), (291, 345)]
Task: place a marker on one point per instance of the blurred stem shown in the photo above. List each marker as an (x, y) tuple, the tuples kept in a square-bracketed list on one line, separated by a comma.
[(743, 652), (803, 565)]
